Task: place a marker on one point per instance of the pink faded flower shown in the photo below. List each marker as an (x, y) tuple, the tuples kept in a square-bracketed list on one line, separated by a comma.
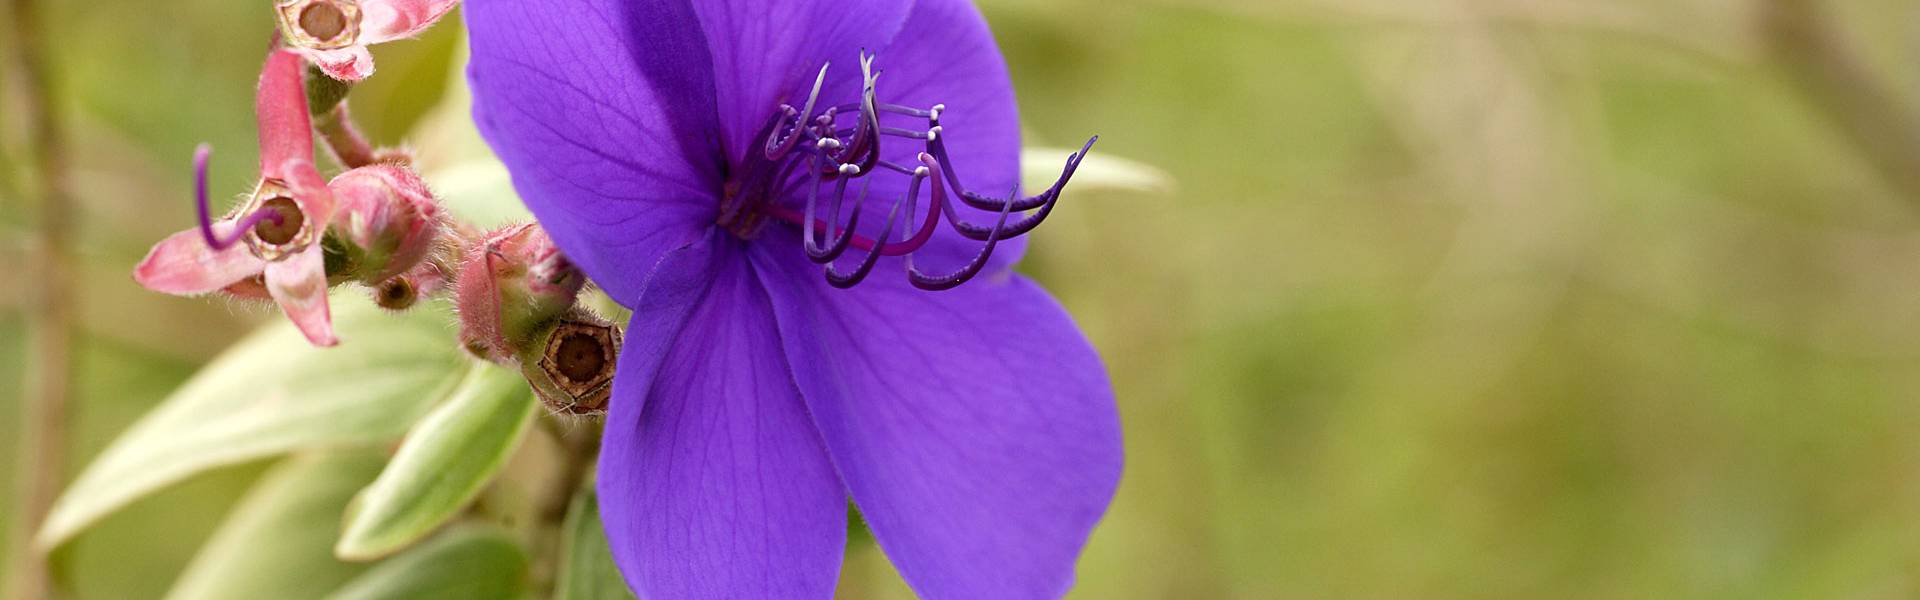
[(273, 239), (334, 34)]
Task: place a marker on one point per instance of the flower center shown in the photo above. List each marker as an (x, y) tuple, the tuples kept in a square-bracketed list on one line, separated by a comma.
[(285, 222), (322, 21), (839, 149), (271, 223), (577, 365), (579, 356), (320, 24)]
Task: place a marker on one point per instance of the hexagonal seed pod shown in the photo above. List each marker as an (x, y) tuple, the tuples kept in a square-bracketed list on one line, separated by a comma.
[(572, 370)]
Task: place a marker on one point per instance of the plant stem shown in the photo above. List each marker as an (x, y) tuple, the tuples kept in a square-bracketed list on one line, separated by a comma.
[(579, 442), (1843, 87), (343, 138), (48, 380)]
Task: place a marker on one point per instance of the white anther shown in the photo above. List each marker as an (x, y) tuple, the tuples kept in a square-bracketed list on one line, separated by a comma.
[(849, 170), (828, 144), (921, 171), (933, 134), (937, 109)]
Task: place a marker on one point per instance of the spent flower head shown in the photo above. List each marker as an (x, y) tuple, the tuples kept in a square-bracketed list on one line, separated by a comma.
[(296, 234), (274, 235), (334, 34)]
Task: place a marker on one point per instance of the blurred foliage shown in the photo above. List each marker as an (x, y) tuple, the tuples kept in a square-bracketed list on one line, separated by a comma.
[(273, 393), (1467, 298), (441, 465), (278, 541)]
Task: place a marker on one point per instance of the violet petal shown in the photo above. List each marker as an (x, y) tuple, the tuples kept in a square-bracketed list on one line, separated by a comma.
[(975, 428), (713, 482), (767, 52), (603, 111)]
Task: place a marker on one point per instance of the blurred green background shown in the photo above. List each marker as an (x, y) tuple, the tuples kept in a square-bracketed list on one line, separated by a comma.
[(1450, 299)]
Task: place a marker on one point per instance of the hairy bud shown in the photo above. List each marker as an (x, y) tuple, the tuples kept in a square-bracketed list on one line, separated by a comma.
[(388, 219), (513, 285)]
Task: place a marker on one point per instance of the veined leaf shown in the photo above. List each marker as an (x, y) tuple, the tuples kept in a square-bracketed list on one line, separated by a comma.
[(445, 460), (278, 542), (270, 394), (467, 563), (587, 571)]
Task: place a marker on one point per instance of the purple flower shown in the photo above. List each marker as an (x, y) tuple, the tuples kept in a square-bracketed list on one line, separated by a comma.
[(674, 149)]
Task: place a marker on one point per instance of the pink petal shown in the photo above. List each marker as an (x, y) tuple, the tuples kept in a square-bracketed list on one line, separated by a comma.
[(280, 106), (310, 192), (251, 288), (299, 285), (183, 265), (352, 63), (384, 20)]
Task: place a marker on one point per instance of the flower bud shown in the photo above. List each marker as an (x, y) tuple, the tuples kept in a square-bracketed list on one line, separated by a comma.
[(571, 369), (387, 218), (513, 285)]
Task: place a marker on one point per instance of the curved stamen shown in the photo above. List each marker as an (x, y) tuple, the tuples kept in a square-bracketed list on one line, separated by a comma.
[(861, 242), (865, 142), (925, 234), (843, 281), (201, 155), (774, 150), (832, 152), (933, 283), (845, 237), (891, 108), (1029, 203), (907, 133)]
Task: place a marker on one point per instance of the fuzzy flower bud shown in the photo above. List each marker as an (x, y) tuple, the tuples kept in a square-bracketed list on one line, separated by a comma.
[(387, 218), (513, 286)]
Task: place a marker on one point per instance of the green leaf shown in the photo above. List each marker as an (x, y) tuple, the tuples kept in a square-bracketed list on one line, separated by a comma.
[(1101, 171), (273, 393), (445, 460), (278, 542), (587, 571), (467, 563)]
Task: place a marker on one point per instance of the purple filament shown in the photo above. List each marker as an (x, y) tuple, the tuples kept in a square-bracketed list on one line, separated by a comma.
[(838, 154), (201, 155)]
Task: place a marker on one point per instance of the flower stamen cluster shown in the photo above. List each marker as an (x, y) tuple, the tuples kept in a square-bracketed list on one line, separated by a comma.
[(826, 153)]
